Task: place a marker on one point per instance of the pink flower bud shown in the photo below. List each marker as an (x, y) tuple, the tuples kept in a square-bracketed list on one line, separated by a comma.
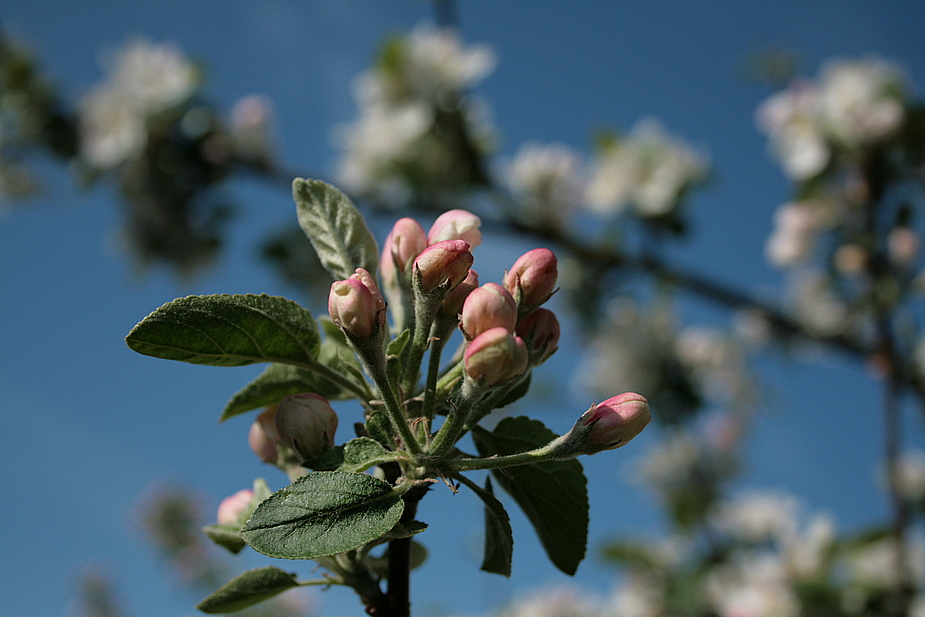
[(306, 424), (456, 225), (231, 508), (353, 307), (444, 264), (616, 421), (370, 283), (489, 306), (540, 331), (263, 436), (403, 244), (532, 278), (454, 302), (494, 356)]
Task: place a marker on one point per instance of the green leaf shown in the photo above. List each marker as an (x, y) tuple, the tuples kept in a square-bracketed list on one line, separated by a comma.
[(329, 461), (380, 565), (224, 330), (248, 589), (379, 428), (276, 382), (335, 227), (499, 539), (323, 513), (362, 453), (553, 494), (226, 536)]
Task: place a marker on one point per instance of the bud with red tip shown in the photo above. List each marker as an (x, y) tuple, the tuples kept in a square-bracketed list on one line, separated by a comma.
[(263, 437), (454, 302), (532, 278), (611, 424), (403, 244), (540, 332), (232, 509), (306, 424), (456, 225), (442, 265), (356, 305), (489, 306), (495, 356)]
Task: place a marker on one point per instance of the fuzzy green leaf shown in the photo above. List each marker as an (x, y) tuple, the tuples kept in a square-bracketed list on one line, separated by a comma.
[(323, 513), (225, 330), (276, 382), (248, 589), (553, 494), (362, 453), (226, 536), (335, 227)]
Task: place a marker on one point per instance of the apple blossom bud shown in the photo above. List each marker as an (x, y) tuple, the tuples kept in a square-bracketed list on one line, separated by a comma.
[(444, 264), (614, 422), (263, 436), (403, 244), (453, 304), (540, 332), (489, 306), (456, 225), (353, 307), (532, 278), (369, 282), (231, 508), (495, 356), (306, 424)]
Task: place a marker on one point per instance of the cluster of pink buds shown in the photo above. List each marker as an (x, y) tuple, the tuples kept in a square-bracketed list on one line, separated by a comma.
[(506, 330)]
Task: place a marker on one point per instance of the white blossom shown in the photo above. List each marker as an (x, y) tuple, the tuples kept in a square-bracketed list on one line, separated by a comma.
[(144, 79), (753, 585), (437, 63), (548, 179), (795, 227), (791, 120), (861, 101), (647, 170), (758, 516), (909, 474)]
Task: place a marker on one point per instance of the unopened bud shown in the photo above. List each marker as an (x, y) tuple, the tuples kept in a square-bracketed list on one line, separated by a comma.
[(532, 278), (306, 424), (353, 307), (453, 304), (231, 509), (613, 423), (403, 244), (540, 332), (456, 225), (444, 264), (489, 306), (263, 437), (495, 356)]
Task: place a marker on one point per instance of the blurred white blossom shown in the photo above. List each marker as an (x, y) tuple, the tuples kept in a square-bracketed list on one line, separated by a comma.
[(547, 179), (754, 585), (647, 170), (852, 104), (251, 121), (144, 79), (796, 225), (758, 516), (909, 474), (420, 80), (861, 101)]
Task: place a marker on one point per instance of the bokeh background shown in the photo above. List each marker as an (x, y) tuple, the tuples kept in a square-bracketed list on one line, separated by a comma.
[(90, 430)]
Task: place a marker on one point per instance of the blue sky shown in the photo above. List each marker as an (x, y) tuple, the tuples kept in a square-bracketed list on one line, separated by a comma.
[(90, 426)]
